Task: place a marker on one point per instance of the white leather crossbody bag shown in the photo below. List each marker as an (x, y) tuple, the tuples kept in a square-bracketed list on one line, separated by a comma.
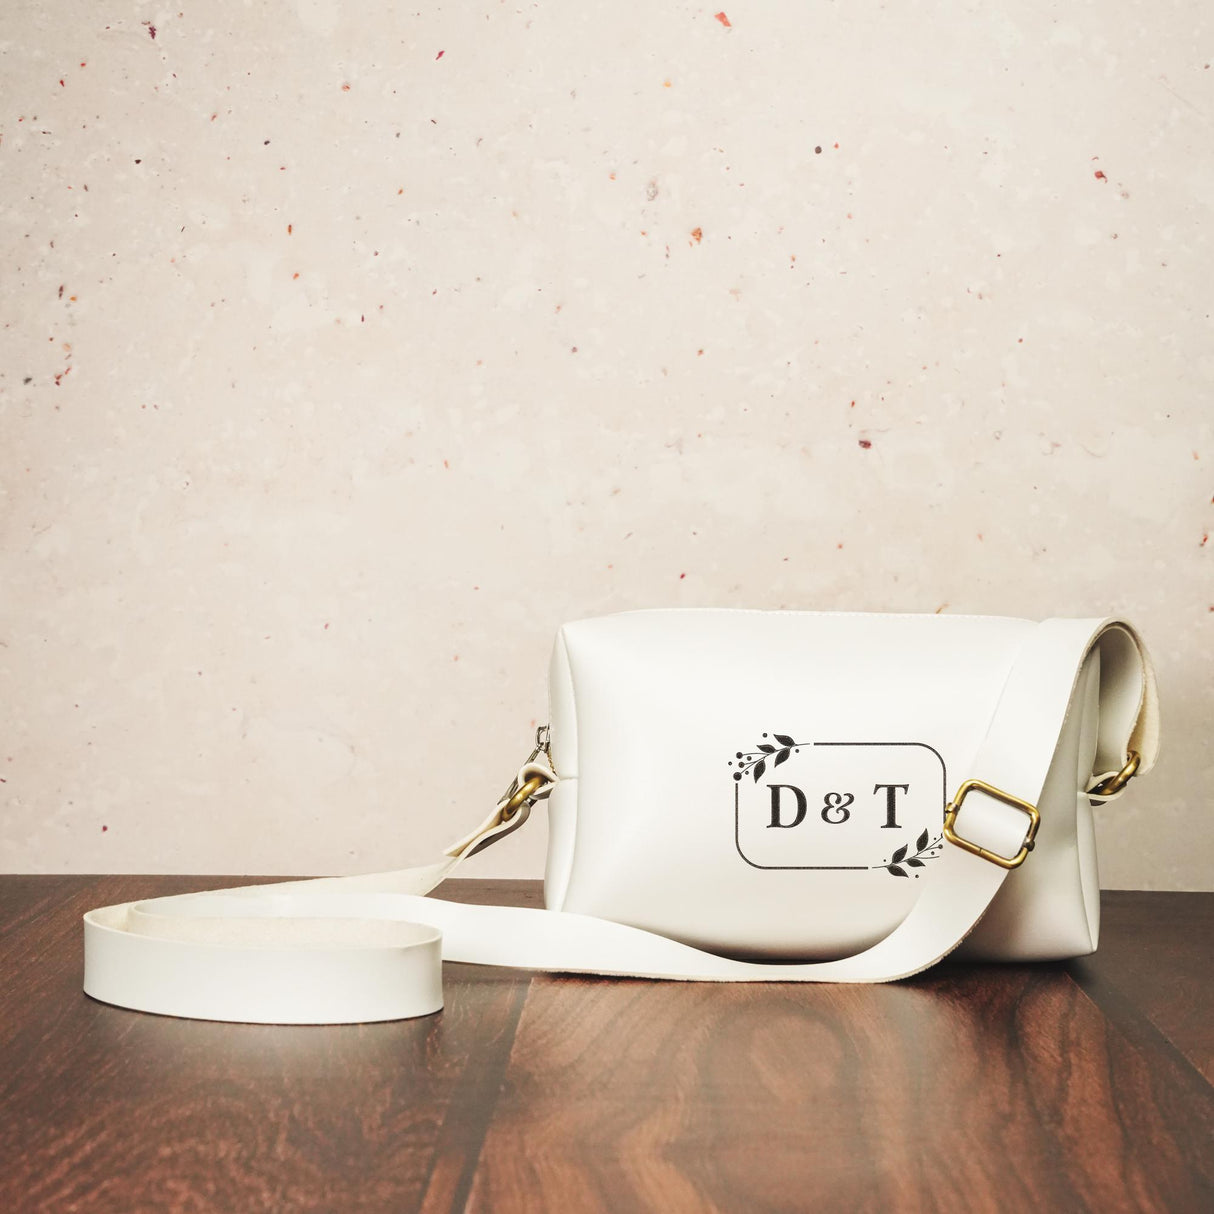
[(732, 795)]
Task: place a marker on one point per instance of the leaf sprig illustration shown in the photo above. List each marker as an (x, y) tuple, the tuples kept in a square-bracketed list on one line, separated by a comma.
[(924, 850), (755, 761)]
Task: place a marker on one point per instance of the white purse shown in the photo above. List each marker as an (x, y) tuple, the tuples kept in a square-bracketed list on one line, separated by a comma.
[(732, 796)]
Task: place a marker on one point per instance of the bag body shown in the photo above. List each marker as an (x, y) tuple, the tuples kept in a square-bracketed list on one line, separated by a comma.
[(773, 784)]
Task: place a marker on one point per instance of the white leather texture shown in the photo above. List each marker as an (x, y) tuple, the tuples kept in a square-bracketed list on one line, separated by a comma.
[(649, 709)]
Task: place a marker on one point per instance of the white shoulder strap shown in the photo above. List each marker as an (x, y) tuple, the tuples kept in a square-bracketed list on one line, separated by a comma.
[(353, 949)]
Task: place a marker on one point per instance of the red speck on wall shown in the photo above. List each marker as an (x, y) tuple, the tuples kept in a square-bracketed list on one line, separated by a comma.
[(440, 55), (152, 31), (104, 829), (1100, 176), (724, 20), (866, 443)]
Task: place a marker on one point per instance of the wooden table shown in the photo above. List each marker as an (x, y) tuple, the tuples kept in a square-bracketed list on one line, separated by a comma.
[(1084, 1086)]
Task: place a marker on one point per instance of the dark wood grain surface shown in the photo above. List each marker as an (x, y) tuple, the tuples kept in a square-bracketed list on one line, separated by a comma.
[(1084, 1086)]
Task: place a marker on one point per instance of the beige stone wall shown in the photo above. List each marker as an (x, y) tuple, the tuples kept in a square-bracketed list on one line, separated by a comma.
[(346, 350)]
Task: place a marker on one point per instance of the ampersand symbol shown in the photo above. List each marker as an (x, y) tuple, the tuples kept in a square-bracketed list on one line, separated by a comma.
[(837, 803)]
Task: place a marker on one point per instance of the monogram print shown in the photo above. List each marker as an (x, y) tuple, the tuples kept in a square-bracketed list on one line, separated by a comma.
[(846, 806)]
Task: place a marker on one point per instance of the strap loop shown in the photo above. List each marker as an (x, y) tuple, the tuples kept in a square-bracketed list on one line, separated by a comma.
[(1110, 786)]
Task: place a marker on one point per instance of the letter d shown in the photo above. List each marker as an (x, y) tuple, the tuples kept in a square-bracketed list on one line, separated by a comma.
[(802, 806)]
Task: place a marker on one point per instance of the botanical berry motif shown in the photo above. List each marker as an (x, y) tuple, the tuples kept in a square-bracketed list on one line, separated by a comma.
[(923, 851), (755, 761)]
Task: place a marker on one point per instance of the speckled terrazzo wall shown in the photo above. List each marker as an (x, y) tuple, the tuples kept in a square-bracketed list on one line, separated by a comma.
[(346, 350)]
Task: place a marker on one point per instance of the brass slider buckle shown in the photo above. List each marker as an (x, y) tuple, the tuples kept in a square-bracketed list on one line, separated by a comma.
[(1030, 838), (1112, 785)]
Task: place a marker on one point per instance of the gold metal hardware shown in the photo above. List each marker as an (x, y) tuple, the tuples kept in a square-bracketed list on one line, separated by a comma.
[(521, 795), (535, 780), (950, 818), (1114, 784), (518, 795)]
